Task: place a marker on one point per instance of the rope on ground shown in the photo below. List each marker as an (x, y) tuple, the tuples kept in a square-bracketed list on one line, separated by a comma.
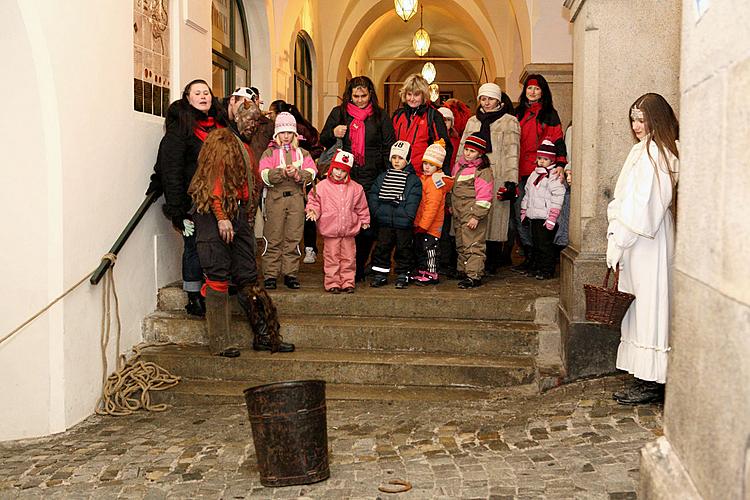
[(128, 388)]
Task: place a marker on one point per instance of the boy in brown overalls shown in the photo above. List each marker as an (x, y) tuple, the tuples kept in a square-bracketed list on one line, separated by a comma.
[(285, 169)]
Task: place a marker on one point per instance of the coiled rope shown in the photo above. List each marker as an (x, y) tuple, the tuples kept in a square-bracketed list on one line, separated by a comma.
[(128, 388)]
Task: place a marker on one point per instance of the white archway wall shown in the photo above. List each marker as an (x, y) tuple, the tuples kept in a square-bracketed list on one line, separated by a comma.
[(257, 16), (552, 33)]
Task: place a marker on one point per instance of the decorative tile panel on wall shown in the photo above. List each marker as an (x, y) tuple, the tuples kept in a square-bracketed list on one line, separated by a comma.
[(151, 80)]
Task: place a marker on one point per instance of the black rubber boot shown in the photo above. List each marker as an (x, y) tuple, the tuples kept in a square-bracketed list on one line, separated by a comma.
[(261, 314), (218, 321), (196, 305)]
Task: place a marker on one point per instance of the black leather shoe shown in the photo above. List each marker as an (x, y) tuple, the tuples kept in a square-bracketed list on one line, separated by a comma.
[(469, 283), (264, 344), (643, 393), (196, 305), (402, 281), (269, 283), (378, 281), (232, 352), (291, 282), (335, 290)]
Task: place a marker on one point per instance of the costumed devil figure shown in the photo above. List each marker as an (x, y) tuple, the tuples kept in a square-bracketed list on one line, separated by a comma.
[(224, 190)]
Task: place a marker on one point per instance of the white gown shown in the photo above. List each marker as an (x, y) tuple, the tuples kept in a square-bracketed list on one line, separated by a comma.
[(641, 223)]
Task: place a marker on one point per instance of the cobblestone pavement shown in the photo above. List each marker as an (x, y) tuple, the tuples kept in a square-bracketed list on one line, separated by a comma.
[(571, 442)]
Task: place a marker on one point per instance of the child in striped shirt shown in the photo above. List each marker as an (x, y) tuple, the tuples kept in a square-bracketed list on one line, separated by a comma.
[(394, 200)]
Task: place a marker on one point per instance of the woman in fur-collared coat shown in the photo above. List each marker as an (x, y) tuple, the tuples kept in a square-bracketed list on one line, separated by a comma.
[(494, 121)]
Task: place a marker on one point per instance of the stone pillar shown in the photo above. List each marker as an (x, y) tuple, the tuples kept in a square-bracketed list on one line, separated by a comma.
[(560, 79), (707, 413), (621, 50)]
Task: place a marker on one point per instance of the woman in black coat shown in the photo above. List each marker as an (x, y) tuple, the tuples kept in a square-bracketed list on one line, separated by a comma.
[(188, 122), (365, 131)]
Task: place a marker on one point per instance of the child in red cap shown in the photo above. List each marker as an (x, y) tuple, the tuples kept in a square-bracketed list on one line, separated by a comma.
[(339, 206), (471, 200), (541, 204)]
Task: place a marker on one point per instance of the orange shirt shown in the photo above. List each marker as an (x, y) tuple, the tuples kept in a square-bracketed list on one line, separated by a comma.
[(431, 210)]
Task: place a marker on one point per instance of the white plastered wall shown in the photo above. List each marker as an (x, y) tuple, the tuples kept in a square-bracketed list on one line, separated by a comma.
[(76, 164)]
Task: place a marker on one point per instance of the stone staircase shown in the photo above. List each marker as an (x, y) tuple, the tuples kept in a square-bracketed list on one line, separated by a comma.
[(435, 343)]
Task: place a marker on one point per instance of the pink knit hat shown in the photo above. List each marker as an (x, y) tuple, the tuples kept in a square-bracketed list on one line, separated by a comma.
[(285, 122)]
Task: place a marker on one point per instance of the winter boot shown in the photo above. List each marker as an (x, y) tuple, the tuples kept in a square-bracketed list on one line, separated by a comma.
[(218, 321), (196, 305), (261, 314), (528, 263)]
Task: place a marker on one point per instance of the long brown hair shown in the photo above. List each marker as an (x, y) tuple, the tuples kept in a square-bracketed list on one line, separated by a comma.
[(221, 157), (662, 128)]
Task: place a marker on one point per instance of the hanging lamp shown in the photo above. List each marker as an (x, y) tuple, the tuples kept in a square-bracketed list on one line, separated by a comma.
[(429, 72), (434, 92), (405, 9), (421, 41)]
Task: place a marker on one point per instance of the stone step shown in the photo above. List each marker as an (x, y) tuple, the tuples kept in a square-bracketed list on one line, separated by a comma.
[(491, 338), (505, 298), (348, 367), (191, 392)]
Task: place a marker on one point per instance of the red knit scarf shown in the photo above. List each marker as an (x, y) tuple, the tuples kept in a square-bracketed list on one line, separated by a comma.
[(357, 130), (203, 127)]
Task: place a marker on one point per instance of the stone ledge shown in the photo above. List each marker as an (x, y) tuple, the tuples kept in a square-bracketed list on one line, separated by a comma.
[(662, 474)]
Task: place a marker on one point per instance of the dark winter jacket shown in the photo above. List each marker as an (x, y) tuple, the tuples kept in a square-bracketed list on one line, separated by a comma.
[(396, 214), (175, 166), (420, 127), (379, 138), (309, 140)]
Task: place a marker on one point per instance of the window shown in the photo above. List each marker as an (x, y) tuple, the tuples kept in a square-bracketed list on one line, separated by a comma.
[(303, 77), (231, 60)]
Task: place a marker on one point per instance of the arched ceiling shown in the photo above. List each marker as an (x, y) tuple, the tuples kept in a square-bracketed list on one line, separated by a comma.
[(472, 29)]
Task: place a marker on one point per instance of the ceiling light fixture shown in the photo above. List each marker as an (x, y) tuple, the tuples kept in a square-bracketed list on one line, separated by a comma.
[(429, 72), (421, 41), (405, 9)]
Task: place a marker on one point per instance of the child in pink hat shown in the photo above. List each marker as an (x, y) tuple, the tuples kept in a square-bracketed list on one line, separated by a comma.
[(285, 169)]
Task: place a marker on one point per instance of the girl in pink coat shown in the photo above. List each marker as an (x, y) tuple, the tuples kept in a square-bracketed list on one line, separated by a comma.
[(339, 205)]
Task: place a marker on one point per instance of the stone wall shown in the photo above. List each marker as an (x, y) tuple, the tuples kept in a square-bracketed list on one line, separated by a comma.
[(708, 396), (621, 50)]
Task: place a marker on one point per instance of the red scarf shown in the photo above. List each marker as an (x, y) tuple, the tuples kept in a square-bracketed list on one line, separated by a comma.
[(357, 130), (203, 127)]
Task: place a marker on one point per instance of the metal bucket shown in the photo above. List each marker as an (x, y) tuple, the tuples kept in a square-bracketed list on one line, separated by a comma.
[(289, 431)]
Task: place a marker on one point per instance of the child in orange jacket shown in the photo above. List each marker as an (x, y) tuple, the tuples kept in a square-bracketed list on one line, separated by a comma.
[(428, 224)]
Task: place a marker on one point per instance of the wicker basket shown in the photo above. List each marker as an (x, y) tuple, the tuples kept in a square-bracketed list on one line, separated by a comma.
[(607, 305)]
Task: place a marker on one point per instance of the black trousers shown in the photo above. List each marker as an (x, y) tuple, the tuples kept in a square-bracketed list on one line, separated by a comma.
[(447, 256), (233, 262), (388, 239), (364, 241), (544, 254), (428, 252)]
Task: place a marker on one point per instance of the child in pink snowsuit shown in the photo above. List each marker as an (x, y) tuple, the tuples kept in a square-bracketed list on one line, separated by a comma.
[(339, 205)]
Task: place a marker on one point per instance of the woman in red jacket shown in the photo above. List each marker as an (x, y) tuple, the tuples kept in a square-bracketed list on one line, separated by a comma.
[(539, 121), (419, 123)]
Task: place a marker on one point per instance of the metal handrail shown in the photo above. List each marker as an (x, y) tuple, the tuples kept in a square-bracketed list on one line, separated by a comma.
[(105, 264)]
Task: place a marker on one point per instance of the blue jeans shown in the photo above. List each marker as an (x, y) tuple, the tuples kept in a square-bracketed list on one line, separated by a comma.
[(192, 273)]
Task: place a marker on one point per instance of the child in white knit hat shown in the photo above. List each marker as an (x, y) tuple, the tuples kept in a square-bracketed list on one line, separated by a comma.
[(394, 200), (285, 169)]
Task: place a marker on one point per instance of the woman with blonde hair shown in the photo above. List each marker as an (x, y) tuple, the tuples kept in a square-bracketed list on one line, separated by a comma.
[(419, 123), (221, 190), (640, 241)]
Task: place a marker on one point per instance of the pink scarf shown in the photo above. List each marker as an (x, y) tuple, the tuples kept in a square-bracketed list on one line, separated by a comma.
[(357, 130)]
